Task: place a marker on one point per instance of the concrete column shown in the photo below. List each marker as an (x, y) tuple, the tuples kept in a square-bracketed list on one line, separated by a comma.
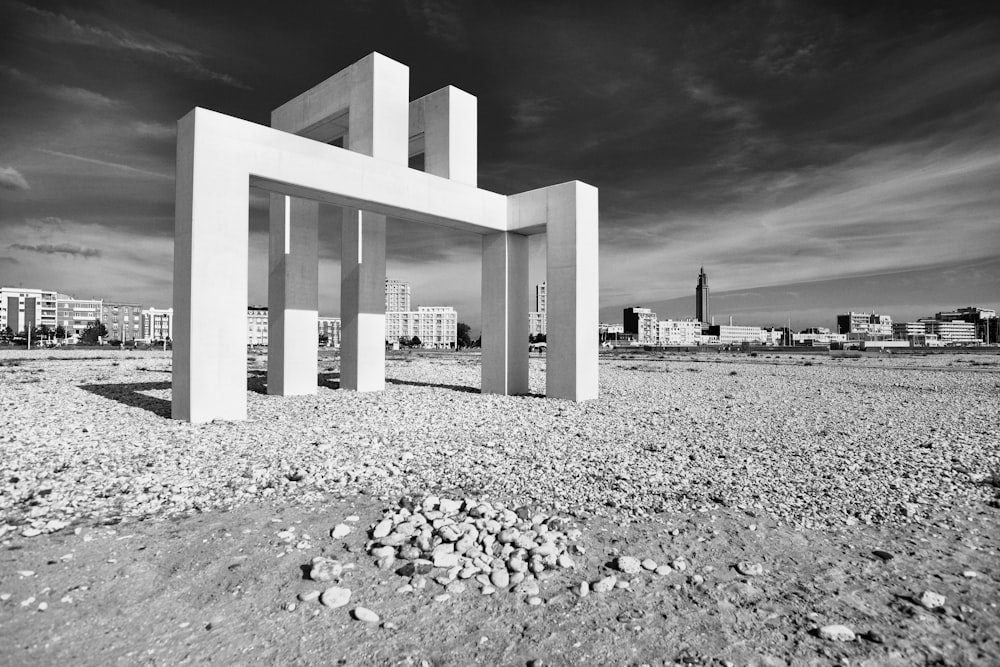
[(505, 314), (571, 369), (210, 282), (292, 296), (443, 126), (362, 301)]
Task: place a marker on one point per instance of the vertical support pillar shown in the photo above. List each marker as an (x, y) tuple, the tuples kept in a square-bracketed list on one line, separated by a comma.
[(292, 296), (505, 314), (362, 301), (571, 369), (210, 281)]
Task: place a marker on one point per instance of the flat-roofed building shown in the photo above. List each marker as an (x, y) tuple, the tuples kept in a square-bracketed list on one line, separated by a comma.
[(397, 296), (122, 320), (678, 332), (157, 324), (23, 308), (76, 315), (256, 325), (735, 334), (954, 332), (640, 322), (865, 326), (329, 327)]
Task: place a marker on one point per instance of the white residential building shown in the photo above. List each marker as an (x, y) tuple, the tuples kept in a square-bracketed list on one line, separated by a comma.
[(678, 332), (157, 324), (734, 334), (954, 332), (256, 325), (330, 327), (21, 308), (397, 296), (435, 326), (536, 323)]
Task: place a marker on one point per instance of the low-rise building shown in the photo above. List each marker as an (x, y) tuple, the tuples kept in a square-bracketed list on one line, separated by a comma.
[(678, 332), (640, 322), (157, 325), (76, 315), (735, 334), (865, 326), (435, 326), (954, 332), (537, 323), (24, 308), (329, 327), (122, 320), (257, 325)]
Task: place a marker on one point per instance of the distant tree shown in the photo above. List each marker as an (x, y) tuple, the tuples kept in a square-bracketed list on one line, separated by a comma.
[(541, 338), (463, 335), (42, 333), (6, 335), (60, 331), (404, 341), (415, 341), (93, 333), (479, 342)]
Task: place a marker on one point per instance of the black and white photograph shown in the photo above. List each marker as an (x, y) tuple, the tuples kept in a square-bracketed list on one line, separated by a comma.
[(430, 333)]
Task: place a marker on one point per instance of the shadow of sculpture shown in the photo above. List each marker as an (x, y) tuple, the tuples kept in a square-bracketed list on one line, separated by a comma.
[(328, 380), (130, 394), (453, 387)]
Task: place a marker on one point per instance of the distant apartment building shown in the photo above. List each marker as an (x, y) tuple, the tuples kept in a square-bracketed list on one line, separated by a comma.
[(865, 326), (985, 319), (537, 318), (256, 325), (678, 332), (397, 296), (817, 336), (610, 332), (641, 322), (435, 326), (76, 315), (157, 324), (24, 308), (330, 328), (734, 334), (122, 320), (954, 332)]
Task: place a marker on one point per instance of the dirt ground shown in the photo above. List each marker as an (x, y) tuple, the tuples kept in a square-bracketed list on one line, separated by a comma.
[(217, 588)]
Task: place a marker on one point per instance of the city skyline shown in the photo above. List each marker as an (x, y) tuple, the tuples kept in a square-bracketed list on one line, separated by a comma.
[(815, 160)]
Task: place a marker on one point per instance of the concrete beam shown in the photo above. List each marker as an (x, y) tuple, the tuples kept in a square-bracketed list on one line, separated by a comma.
[(444, 127), (505, 314)]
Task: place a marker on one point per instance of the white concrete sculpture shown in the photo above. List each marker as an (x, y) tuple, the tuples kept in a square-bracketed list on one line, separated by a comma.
[(366, 107)]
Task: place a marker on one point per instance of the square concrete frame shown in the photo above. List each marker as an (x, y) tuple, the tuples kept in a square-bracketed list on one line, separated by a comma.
[(220, 157)]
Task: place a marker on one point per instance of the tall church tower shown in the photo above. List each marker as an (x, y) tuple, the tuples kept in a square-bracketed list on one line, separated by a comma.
[(701, 298)]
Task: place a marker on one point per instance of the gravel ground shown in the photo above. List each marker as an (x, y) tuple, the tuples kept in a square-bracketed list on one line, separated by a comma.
[(810, 442)]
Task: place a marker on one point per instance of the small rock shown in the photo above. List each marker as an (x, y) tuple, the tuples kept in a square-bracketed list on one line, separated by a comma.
[(405, 588), (664, 570), (488, 590), (382, 528), (455, 587), (444, 597), (565, 561), (621, 583), (931, 600), (415, 567), (26, 573), (527, 587), (628, 565), (308, 596), (605, 584), (970, 574), (4, 597), (882, 555), (445, 560), (340, 530), (750, 569), (500, 578), (584, 589), (27, 602), (335, 596), (42, 606), (534, 601), (291, 606), (389, 625), (366, 615), (873, 637), (679, 564), (325, 569), (649, 565), (837, 633)]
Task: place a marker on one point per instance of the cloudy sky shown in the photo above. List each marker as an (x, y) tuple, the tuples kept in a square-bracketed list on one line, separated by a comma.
[(814, 157)]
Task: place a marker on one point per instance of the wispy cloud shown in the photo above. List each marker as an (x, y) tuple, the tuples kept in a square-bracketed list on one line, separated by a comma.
[(440, 20), (57, 249), (158, 131), (105, 163), (532, 112), (63, 93), (11, 179), (57, 27)]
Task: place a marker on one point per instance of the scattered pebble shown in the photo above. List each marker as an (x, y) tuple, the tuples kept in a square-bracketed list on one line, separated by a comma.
[(750, 569), (628, 565), (605, 585), (837, 633), (366, 615), (340, 530), (882, 554), (335, 596), (931, 600)]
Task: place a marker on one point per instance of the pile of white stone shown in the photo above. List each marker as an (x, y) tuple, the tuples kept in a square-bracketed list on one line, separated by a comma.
[(459, 543)]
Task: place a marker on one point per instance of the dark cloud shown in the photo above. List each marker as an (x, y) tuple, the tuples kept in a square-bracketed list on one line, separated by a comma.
[(57, 249)]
